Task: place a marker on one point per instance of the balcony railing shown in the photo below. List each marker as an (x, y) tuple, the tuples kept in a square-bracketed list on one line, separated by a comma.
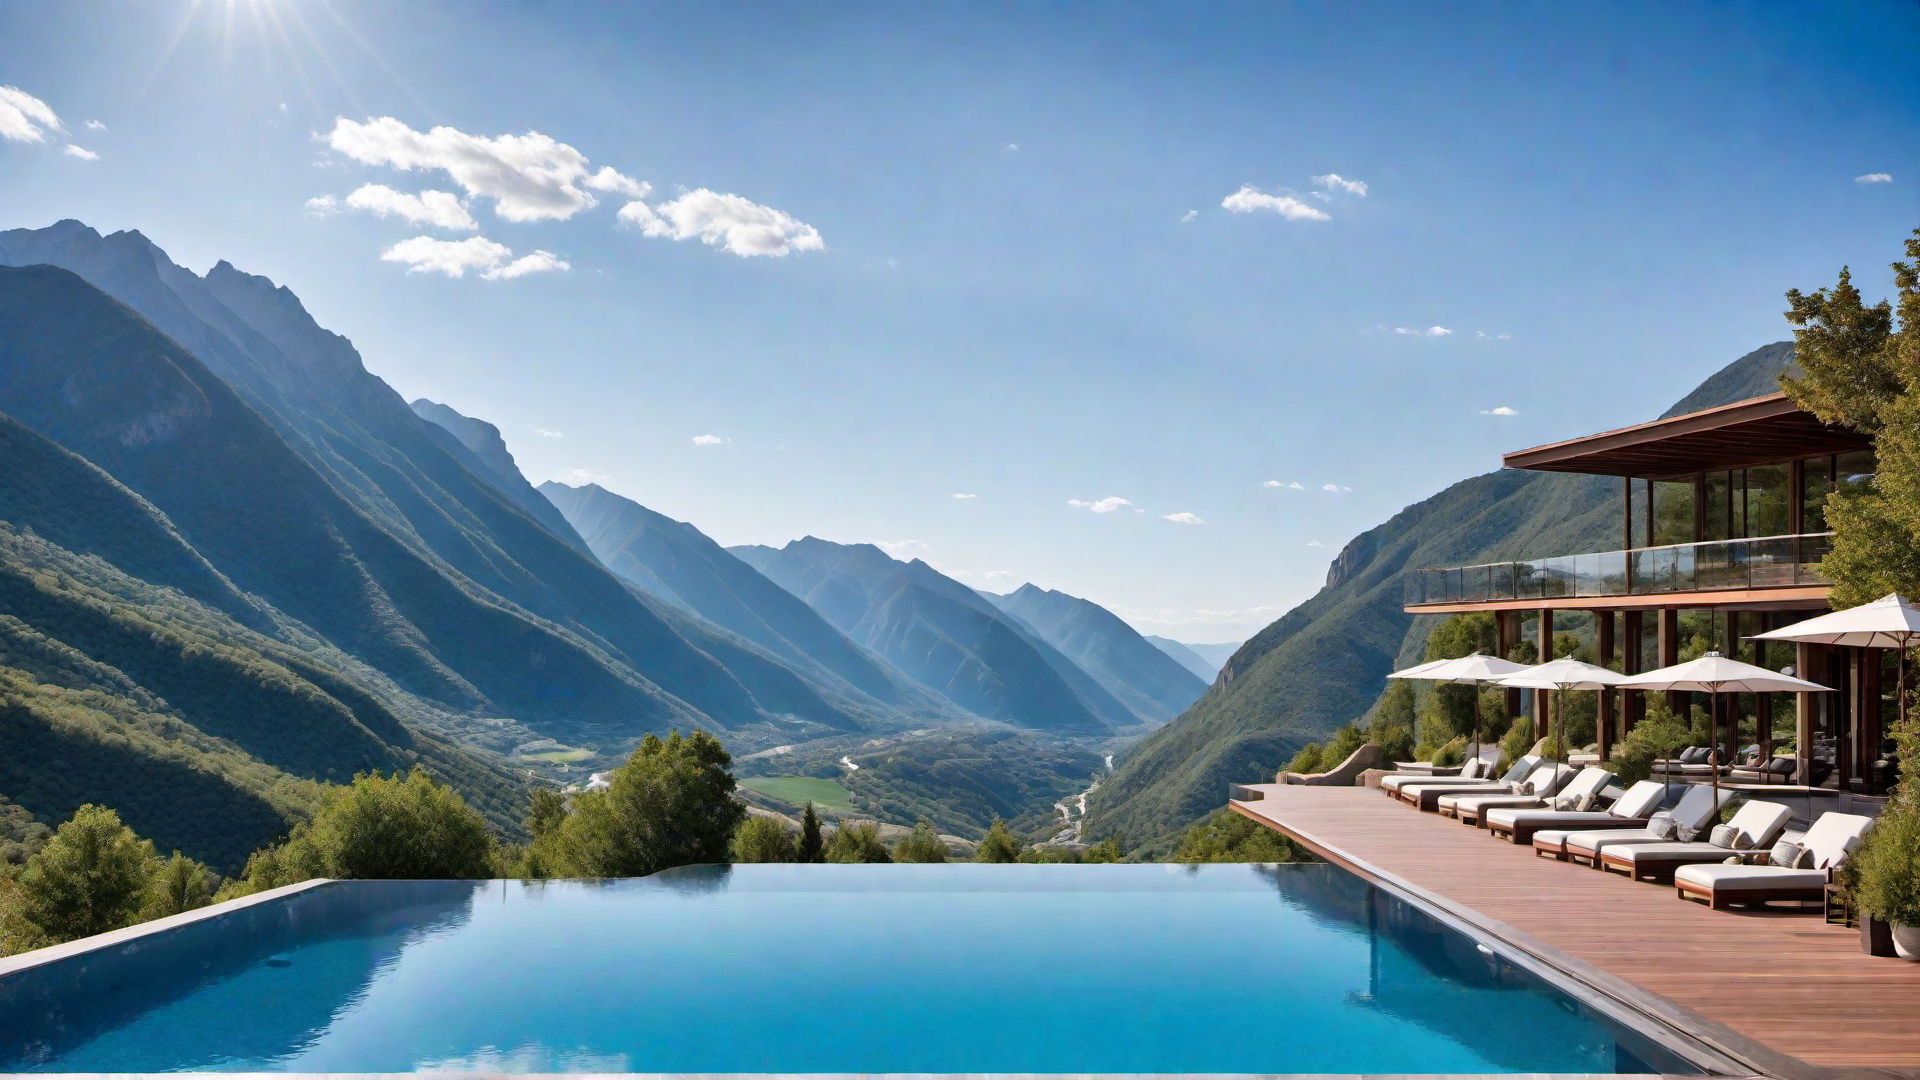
[(1767, 562)]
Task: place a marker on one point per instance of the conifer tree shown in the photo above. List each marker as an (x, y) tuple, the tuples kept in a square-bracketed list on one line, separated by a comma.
[(812, 848)]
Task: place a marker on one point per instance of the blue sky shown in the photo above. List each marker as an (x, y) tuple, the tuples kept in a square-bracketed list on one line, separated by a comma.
[(992, 250)]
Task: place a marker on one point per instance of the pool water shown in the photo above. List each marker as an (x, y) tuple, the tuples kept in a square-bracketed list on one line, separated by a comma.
[(839, 969)]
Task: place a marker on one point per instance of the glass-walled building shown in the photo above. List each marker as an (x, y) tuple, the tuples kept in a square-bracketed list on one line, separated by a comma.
[(1722, 511)]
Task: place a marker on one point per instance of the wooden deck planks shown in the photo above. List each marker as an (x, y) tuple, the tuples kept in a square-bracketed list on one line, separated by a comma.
[(1786, 980)]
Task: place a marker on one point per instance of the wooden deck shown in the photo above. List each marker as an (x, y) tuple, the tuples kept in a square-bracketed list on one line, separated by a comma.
[(1787, 981)]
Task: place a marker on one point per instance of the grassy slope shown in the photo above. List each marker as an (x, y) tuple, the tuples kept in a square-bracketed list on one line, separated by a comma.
[(800, 790), (1323, 663)]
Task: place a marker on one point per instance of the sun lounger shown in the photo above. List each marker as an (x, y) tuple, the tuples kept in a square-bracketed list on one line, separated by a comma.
[(1474, 770), (1427, 796), (1632, 808), (1692, 755), (1543, 783), (1690, 815), (1799, 873), (1584, 787), (1756, 826), (1777, 770)]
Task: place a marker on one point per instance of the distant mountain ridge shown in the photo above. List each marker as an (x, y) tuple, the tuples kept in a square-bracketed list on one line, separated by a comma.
[(1324, 663), (1148, 680), (943, 634), (484, 442), (1186, 656)]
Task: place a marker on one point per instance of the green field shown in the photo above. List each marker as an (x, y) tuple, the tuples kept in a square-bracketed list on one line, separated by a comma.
[(799, 790), (559, 756)]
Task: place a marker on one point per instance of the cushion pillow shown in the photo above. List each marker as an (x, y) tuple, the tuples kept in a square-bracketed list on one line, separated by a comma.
[(1725, 836), (1663, 826), (1587, 802), (1785, 853), (1566, 802)]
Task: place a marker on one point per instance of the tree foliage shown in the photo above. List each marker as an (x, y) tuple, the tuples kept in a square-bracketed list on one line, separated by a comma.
[(671, 804), (999, 845), (763, 840), (1227, 837), (858, 842), (923, 845), (92, 877), (812, 847), (409, 827)]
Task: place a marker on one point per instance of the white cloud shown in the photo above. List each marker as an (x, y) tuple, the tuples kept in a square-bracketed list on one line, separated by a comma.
[(964, 495), (993, 574), (1437, 331), (438, 208), (1336, 489), (1874, 178), (1184, 518), (1484, 336), (709, 440), (1189, 216), (454, 258), (80, 152), (424, 254), (95, 125), (1336, 182), (529, 177), (904, 549), (1414, 331), (729, 222), (1500, 410), (1315, 543), (1010, 148), (546, 433), (1248, 199), (577, 477), (1292, 485), (1103, 506), (322, 206), (25, 118), (540, 262)]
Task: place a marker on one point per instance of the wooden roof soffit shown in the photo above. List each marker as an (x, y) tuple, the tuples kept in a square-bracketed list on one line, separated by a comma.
[(1758, 431)]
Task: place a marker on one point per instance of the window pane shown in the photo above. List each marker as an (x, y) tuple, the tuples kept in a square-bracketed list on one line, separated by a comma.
[(1767, 496), (1673, 512), (1637, 513), (1855, 471), (1813, 500), (1715, 519)]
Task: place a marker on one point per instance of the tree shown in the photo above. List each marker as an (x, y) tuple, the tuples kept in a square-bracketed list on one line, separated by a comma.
[(1227, 837), (999, 845), (923, 845), (180, 884), (671, 804), (857, 842), (378, 827), (811, 849), (92, 877), (1106, 851), (548, 810), (1449, 709), (763, 840)]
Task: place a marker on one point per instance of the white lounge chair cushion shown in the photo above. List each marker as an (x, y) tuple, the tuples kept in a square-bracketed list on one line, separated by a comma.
[(1478, 805), (1639, 800), (1508, 817), (1833, 837), (1663, 826), (1732, 878), (1760, 821)]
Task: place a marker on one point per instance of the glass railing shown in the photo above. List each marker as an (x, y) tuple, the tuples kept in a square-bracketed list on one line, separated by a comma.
[(1766, 562)]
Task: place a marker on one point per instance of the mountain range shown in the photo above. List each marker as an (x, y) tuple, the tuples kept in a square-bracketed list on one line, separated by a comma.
[(1325, 662), (1203, 660), (237, 564)]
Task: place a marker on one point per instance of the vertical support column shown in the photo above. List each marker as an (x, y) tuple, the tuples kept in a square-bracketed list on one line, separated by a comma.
[(1543, 635), (1763, 703), (1603, 655), (1849, 718), (1633, 703), (1506, 635), (1869, 717), (1732, 719), (1670, 655), (1803, 716)]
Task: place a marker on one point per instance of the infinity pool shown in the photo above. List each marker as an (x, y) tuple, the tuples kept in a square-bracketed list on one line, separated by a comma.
[(837, 969)]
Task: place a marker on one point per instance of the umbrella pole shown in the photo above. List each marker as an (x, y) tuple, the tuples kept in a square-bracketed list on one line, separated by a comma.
[(1476, 720), (1713, 739)]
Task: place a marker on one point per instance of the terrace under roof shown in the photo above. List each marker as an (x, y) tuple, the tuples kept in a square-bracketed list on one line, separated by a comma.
[(1758, 431)]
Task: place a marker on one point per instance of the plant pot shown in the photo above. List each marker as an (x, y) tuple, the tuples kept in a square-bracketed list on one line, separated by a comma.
[(1906, 942)]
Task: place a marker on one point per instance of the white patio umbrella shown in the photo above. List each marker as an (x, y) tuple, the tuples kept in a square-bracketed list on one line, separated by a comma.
[(1712, 674), (1890, 622), (1476, 670), (1564, 674)]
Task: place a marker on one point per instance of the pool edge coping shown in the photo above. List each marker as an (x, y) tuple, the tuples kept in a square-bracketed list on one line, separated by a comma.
[(1647, 1013), (66, 950)]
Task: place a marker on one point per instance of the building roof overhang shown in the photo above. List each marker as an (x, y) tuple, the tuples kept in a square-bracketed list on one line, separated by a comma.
[(1758, 431)]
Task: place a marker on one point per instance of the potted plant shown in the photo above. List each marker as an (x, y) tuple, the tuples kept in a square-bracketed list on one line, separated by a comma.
[(1887, 869)]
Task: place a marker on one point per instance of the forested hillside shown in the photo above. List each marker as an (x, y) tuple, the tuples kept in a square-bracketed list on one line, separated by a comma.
[(1147, 678), (1325, 662)]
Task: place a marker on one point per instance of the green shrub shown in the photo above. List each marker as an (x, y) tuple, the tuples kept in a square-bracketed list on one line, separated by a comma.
[(181, 884), (1306, 761), (923, 845), (1227, 837), (857, 842), (671, 804), (1888, 863), (1518, 740), (93, 876), (1659, 734), (1452, 753), (999, 845), (1396, 742), (1344, 743), (763, 840), (1106, 851)]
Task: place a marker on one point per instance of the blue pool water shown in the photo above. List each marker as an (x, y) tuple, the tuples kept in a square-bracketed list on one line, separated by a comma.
[(956, 968)]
